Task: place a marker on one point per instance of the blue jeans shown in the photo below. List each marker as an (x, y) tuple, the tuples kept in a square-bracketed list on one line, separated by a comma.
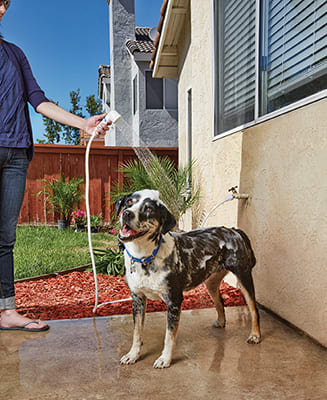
[(13, 171)]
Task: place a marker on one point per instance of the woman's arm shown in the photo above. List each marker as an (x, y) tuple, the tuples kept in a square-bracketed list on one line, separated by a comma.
[(41, 104), (52, 111)]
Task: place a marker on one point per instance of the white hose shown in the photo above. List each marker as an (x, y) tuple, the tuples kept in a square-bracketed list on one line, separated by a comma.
[(88, 216), (114, 117), (228, 198)]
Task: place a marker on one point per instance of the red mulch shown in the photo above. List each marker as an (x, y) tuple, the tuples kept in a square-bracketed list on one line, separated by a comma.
[(72, 296)]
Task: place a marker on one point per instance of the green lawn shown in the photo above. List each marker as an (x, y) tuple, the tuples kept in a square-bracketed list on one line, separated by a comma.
[(43, 250)]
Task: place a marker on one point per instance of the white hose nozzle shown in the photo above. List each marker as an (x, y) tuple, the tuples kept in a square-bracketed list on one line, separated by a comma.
[(112, 116)]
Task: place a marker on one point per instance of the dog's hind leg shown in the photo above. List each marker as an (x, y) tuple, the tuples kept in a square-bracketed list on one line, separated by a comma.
[(173, 315), (247, 287), (212, 284), (139, 306)]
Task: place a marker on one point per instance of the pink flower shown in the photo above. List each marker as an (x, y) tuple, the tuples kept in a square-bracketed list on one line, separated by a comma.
[(78, 217)]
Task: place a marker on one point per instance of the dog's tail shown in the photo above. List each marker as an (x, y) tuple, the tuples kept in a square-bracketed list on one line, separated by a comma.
[(247, 242)]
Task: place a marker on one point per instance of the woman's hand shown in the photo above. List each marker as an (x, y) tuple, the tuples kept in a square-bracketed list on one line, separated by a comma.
[(93, 123)]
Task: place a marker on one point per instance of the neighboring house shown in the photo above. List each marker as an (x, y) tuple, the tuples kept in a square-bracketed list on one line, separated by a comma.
[(252, 90), (148, 105)]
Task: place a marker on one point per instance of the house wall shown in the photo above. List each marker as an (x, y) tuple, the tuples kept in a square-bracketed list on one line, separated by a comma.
[(282, 164), (218, 163), (284, 168), (122, 27), (157, 127)]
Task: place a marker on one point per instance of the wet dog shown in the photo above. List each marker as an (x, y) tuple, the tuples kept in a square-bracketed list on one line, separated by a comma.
[(162, 265)]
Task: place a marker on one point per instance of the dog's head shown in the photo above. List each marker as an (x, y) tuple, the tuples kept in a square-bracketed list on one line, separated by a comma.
[(142, 213)]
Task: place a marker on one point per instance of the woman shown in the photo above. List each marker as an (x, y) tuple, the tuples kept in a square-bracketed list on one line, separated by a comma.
[(17, 87)]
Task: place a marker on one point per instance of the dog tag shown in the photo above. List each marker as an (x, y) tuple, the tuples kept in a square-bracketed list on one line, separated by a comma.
[(133, 267)]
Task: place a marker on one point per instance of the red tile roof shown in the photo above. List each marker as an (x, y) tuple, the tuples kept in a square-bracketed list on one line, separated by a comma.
[(142, 42)]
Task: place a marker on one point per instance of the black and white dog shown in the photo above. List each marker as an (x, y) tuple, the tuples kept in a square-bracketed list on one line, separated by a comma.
[(162, 265)]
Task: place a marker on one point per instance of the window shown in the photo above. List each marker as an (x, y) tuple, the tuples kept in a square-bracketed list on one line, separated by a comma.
[(266, 59), (160, 93), (235, 66), (154, 92), (294, 52)]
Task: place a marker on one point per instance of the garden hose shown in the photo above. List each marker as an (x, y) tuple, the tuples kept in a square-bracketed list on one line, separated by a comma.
[(112, 116)]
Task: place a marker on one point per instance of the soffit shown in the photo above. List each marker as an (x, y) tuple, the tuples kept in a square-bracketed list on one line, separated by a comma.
[(165, 55)]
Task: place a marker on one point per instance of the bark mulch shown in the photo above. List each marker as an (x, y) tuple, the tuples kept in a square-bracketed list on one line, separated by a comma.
[(72, 296)]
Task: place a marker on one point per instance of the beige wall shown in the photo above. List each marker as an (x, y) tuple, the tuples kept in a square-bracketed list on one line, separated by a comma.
[(284, 167), (217, 163), (282, 164)]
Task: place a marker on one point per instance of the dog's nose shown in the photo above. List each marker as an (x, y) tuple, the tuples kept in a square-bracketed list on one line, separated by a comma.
[(127, 215)]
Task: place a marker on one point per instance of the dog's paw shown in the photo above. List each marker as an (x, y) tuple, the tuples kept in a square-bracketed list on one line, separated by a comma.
[(254, 339), (219, 324), (129, 358), (162, 362)]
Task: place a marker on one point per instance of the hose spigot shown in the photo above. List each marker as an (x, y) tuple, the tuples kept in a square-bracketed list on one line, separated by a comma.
[(237, 195)]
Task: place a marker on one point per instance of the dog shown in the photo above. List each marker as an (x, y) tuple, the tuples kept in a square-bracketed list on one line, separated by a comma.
[(160, 264)]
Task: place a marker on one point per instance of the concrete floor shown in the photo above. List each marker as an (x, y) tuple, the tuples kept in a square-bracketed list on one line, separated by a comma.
[(79, 359)]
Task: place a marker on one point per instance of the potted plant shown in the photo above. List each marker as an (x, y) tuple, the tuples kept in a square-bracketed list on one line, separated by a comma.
[(95, 222), (79, 220), (63, 195)]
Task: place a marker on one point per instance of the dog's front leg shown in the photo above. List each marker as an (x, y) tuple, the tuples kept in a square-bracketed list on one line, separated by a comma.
[(139, 306), (173, 315)]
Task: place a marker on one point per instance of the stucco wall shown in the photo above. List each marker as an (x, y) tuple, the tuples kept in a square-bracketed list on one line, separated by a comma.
[(284, 167), (217, 163), (282, 164), (122, 26)]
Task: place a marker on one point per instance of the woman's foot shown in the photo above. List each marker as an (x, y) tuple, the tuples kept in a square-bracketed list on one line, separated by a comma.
[(11, 319)]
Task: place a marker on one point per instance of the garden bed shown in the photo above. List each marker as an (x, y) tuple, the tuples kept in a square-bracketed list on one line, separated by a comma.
[(72, 296)]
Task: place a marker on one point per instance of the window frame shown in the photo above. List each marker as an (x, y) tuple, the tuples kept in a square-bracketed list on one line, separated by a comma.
[(257, 118), (135, 94)]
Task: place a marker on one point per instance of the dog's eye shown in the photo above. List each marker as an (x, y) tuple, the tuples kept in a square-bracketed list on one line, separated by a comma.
[(129, 202), (148, 210)]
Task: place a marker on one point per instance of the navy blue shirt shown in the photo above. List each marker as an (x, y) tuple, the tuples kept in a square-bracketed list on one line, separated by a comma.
[(18, 83), (13, 124)]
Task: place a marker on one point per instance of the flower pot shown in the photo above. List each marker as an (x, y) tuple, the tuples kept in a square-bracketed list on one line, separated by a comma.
[(80, 228), (63, 224)]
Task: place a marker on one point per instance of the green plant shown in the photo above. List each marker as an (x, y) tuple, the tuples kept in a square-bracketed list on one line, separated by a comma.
[(63, 195), (110, 262), (174, 185), (96, 220)]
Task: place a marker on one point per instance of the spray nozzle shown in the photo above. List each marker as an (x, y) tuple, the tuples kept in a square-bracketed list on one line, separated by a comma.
[(112, 116)]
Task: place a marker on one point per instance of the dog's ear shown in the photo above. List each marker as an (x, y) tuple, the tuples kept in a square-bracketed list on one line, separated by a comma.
[(168, 221), (120, 203)]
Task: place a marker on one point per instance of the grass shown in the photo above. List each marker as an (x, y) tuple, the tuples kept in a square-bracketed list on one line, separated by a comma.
[(43, 250)]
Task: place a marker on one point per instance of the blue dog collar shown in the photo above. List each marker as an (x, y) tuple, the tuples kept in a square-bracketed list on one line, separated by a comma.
[(144, 260)]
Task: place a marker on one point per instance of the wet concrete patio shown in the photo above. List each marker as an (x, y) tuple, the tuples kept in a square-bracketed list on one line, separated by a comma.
[(79, 359)]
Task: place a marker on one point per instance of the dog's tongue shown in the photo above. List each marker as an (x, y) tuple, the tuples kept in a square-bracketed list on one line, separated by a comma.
[(127, 231)]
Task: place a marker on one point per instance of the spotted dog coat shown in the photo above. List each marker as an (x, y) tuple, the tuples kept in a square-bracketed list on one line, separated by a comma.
[(182, 262)]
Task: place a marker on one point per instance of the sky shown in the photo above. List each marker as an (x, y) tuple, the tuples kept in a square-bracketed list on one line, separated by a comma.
[(65, 41)]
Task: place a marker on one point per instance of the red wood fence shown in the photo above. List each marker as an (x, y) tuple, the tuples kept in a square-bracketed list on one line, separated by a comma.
[(52, 160)]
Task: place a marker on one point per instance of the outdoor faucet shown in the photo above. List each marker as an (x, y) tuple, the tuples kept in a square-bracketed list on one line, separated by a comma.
[(236, 194)]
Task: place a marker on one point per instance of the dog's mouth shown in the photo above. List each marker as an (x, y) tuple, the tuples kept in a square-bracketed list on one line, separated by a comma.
[(127, 233)]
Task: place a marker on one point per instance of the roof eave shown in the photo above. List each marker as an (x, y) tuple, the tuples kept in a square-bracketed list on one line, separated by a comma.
[(166, 59)]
